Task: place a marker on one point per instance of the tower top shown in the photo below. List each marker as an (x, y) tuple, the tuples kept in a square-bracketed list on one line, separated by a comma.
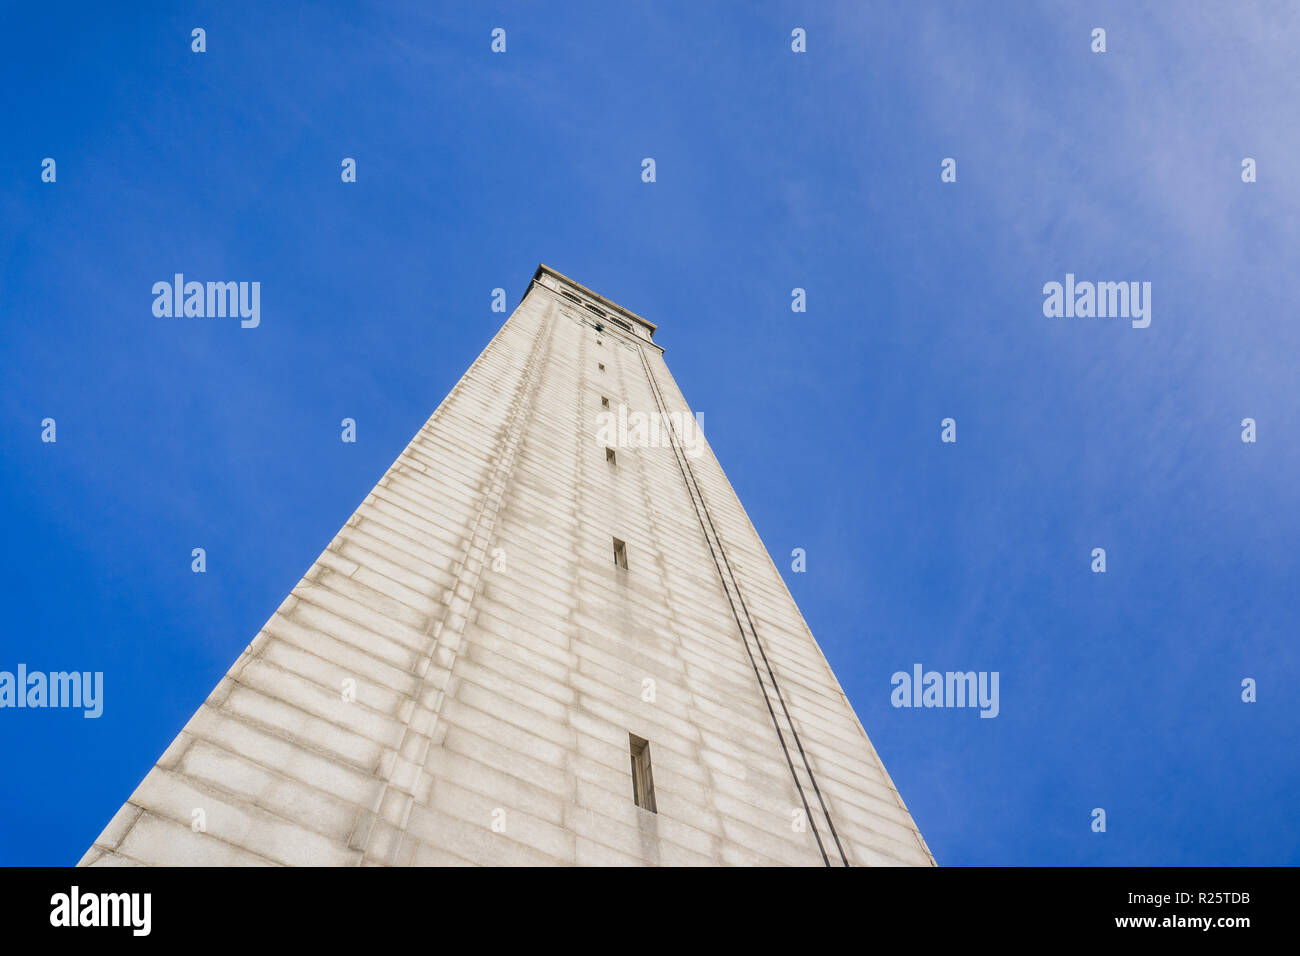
[(594, 302)]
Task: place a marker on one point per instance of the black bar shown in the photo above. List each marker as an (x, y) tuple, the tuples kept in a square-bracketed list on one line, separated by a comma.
[(476, 908)]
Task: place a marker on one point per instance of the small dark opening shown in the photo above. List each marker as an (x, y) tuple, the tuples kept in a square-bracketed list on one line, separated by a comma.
[(643, 785)]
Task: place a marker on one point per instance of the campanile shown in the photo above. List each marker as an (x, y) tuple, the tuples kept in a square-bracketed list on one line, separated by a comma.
[(532, 644)]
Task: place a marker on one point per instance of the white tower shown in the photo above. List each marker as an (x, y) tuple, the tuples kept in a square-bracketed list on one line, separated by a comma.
[(549, 635)]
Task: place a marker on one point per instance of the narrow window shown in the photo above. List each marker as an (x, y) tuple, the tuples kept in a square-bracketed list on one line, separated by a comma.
[(620, 554), (604, 402), (610, 457), (602, 366), (643, 785)]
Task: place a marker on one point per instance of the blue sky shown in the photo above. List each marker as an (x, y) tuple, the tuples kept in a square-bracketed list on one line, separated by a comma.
[(775, 170)]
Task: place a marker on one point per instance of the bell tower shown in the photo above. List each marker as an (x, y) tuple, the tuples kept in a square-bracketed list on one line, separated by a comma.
[(544, 638)]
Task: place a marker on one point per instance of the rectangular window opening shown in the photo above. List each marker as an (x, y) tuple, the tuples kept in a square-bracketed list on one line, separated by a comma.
[(620, 554), (610, 457), (643, 785), (602, 366), (604, 402)]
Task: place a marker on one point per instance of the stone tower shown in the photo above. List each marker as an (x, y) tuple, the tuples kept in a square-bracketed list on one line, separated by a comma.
[(549, 635)]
